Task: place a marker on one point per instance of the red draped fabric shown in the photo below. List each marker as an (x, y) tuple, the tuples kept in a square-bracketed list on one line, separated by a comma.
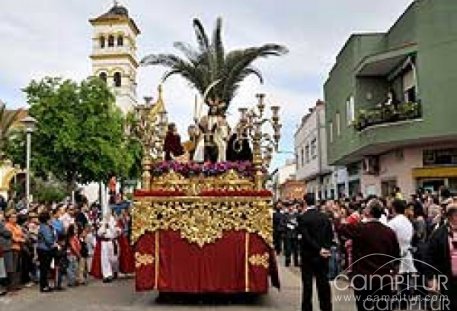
[(126, 259), (145, 277), (238, 262), (96, 269)]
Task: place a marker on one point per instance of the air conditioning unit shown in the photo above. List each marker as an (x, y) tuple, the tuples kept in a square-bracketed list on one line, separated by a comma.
[(371, 165)]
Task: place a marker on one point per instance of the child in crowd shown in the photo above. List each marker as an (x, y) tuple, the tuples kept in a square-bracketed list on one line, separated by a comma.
[(60, 262), (73, 255), (82, 271)]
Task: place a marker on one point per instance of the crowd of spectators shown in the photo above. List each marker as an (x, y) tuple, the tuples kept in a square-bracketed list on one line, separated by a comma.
[(50, 245), (422, 226)]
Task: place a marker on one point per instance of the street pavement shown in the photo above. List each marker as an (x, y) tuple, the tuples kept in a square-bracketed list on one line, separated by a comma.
[(120, 296)]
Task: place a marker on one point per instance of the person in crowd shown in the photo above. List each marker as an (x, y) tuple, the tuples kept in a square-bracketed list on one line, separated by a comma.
[(18, 239), (404, 231), (278, 227), (81, 218), (397, 193), (172, 144), (417, 217), (46, 245), (291, 236), (316, 239), (3, 203), (5, 254), (333, 210), (369, 238), (90, 241), (435, 217), (56, 222), (83, 264), (68, 216), (441, 257), (73, 255), (30, 227), (60, 261), (105, 262)]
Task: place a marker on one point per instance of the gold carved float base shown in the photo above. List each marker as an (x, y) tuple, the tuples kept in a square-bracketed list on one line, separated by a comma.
[(202, 220)]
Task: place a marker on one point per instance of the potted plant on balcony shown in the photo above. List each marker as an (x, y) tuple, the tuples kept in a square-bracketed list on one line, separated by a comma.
[(410, 110)]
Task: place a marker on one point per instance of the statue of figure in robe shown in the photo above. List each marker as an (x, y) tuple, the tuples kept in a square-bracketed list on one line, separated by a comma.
[(214, 129), (172, 144)]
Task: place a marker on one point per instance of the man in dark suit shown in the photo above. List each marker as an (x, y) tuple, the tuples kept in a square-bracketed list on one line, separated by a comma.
[(441, 258), (375, 253), (316, 233)]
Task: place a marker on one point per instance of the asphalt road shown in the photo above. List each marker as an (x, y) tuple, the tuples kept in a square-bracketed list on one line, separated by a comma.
[(120, 296)]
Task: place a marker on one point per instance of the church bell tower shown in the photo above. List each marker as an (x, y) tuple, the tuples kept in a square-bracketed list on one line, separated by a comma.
[(114, 54)]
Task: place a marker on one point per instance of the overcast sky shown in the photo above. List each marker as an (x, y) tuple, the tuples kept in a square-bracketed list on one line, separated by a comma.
[(53, 37)]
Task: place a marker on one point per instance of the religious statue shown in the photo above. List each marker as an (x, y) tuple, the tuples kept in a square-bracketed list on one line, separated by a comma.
[(238, 148), (172, 144), (191, 144), (214, 129)]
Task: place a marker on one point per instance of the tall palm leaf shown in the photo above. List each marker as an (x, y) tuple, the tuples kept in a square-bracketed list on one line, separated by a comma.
[(7, 120), (209, 63)]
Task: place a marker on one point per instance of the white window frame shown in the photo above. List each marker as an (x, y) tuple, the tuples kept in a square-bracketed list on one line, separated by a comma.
[(330, 131), (338, 123), (350, 110)]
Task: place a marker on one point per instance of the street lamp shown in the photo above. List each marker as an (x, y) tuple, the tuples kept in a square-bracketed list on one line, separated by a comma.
[(29, 124)]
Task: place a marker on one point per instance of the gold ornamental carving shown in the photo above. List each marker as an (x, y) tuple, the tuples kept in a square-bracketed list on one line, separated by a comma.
[(259, 260), (230, 181), (203, 220), (143, 260)]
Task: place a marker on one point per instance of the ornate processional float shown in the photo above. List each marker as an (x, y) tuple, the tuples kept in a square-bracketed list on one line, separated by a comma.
[(205, 226)]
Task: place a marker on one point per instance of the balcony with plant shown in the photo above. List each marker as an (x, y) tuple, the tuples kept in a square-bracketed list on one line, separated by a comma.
[(386, 114)]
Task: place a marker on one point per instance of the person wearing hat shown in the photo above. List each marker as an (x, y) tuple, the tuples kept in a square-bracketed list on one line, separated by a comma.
[(17, 240), (441, 259)]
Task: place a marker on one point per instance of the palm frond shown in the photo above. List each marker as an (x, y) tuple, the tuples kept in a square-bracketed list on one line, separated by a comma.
[(200, 34), (167, 60), (209, 62), (217, 45), (7, 120), (191, 54)]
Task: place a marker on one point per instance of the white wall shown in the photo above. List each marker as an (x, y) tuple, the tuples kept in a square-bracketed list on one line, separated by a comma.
[(312, 127)]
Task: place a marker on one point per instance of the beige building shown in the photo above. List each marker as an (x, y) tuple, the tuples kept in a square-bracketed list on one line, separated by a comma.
[(114, 54)]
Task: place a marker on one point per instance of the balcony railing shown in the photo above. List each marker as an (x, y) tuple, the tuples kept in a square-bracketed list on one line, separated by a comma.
[(387, 114)]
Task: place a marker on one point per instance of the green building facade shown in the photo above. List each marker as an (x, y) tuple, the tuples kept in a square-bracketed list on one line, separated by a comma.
[(392, 97)]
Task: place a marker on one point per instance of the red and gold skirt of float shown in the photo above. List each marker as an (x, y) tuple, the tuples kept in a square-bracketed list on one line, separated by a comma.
[(215, 242)]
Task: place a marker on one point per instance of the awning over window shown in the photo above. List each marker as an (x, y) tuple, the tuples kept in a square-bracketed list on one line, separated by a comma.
[(385, 63), (435, 172)]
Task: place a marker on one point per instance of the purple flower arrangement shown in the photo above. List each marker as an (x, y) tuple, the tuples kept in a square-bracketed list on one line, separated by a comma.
[(190, 169)]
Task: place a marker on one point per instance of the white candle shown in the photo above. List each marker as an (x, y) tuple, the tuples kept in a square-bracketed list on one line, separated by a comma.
[(195, 108)]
